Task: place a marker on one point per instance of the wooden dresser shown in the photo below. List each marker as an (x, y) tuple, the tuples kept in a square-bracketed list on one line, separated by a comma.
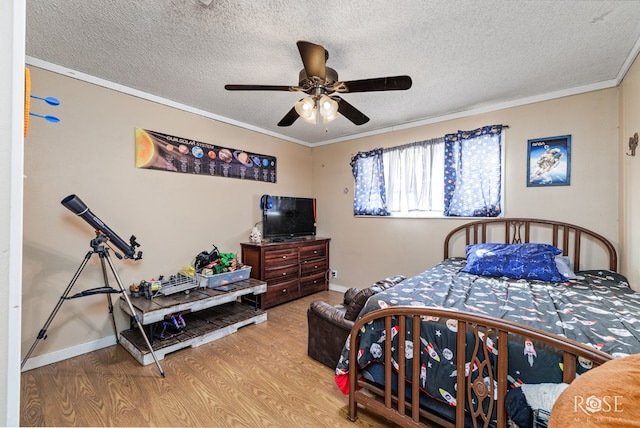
[(291, 269)]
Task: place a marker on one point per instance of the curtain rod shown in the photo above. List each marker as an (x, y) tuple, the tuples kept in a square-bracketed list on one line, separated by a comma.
[(408, 144)]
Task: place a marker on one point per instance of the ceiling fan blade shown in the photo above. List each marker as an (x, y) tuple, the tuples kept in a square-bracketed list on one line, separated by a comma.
[(314, 59), (391, 83), (350, 112), (258, 88), (289, 118)]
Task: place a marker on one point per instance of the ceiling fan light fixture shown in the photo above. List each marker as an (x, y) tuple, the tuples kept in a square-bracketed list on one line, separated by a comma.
[(306, 109), (328, 108)]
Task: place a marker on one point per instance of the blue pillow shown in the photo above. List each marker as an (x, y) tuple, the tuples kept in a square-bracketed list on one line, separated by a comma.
[(518, 261)]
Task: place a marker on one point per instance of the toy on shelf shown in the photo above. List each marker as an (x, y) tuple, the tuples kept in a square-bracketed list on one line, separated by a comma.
[(175, 284), (214, 262), (172, 326)]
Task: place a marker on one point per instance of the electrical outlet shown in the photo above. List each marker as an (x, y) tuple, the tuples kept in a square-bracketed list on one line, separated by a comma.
[(334, 274)]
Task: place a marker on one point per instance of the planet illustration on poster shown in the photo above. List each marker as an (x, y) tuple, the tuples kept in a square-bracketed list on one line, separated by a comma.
[(225, 155), (197, 151), (242, 157), (265, 162), (256, 160), (212, 154)]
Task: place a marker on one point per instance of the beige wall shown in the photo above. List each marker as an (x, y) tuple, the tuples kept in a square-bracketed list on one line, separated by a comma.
[(174, 216), (364, 250), (630, 175)]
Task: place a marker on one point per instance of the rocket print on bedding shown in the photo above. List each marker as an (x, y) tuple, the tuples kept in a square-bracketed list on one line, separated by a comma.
[(596, 308)]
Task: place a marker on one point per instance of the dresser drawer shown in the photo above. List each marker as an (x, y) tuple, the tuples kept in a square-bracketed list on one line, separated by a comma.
[(284, 256), (280, 272), (313, 283), (313, 252), (311, 267), (282, 292)]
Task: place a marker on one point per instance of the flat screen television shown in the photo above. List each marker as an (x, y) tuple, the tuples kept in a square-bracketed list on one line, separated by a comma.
[(288, 217)]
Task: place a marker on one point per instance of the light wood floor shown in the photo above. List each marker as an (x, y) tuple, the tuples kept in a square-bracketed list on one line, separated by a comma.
[(260, 376)]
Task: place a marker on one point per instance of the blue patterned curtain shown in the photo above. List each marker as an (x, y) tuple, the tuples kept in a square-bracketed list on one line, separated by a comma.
[(369, 195), (472, 168)]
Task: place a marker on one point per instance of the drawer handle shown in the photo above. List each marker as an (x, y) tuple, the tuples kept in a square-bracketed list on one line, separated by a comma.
[(315, 252), (284, 273), (284, 257), (284, 291), (315, 266)]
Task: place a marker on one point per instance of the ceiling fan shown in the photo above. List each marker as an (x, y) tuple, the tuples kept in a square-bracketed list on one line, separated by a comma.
[(320, 82)]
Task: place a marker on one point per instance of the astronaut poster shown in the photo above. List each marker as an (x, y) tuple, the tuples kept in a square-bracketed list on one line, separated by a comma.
[(549, 161)]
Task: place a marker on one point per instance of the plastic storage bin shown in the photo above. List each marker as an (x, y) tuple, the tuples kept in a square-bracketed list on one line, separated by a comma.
[(219, 279)]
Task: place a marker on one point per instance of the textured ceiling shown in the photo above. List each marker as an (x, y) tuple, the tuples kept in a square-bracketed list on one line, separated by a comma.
[(463, 55)]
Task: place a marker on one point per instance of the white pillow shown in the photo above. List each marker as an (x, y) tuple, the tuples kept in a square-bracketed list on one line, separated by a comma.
[(542, 396), (563, 264)]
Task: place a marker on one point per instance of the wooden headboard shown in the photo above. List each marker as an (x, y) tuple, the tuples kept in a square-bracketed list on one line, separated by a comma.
[(571, 239)]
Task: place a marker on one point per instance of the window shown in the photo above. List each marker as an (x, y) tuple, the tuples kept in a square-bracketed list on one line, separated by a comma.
[(457, 175), (414, 174)]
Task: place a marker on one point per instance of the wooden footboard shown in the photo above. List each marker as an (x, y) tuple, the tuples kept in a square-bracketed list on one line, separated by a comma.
[(397, 408)]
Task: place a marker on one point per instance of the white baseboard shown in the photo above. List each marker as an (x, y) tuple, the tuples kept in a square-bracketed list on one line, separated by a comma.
[(74, 351), (338, 287), (63, 354)]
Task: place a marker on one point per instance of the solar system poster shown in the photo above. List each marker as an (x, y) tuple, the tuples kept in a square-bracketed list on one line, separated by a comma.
[(155, 150)]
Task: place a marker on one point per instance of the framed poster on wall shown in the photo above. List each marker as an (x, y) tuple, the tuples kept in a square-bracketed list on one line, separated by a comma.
[(549, 161)]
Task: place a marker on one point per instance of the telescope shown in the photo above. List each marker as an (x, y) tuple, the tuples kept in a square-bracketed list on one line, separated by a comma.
[(75, 204), (103, 234)]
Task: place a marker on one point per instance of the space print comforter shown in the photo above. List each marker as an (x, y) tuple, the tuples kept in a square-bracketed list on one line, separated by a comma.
[(598, 308)]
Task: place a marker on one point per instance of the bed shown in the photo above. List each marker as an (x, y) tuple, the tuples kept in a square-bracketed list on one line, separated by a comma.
[(485, 335)]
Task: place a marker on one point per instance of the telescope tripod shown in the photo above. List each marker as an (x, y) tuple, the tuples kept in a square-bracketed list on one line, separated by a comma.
[(98, 248)]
